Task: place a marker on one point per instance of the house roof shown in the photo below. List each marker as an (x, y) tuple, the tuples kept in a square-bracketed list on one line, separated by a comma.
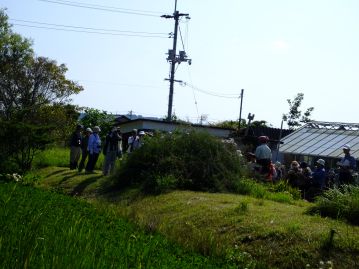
[(130, 117), (273, 133), (324, 139)]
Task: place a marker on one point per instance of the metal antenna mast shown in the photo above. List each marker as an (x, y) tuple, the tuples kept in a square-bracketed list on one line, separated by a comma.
[(173, 58)]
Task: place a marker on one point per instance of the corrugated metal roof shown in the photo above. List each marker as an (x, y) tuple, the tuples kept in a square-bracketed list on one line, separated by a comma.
[(324, 139)]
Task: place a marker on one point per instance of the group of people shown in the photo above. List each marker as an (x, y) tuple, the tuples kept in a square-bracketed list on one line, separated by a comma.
[(300, 175), (86, 145)]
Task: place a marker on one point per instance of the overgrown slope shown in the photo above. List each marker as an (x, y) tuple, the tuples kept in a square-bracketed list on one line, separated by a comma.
[(41, 229), (234, 227)]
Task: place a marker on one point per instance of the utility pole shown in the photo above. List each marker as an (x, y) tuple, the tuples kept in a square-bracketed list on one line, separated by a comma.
[(240, 111), (173, 58)]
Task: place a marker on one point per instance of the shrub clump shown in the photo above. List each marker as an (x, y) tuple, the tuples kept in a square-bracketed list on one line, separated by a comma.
[(192, 161), (339, 203)]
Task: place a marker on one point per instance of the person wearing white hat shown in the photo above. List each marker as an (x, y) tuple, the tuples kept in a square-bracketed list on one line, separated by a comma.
[(319, 175), (84, 146), (94, 148), (347, 165)]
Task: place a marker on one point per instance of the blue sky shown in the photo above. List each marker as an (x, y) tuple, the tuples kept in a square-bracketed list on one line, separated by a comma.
[(271, 49)]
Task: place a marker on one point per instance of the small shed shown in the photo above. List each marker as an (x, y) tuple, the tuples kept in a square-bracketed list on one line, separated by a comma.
[(128, 123), (323, 140)]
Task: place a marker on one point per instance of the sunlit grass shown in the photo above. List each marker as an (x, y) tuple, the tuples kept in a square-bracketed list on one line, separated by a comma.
[(238, 228), (58, 156), (47, 230)]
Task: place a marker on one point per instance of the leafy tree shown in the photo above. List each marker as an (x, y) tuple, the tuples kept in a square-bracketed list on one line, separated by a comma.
[(57, 115), (94, 117), (259, 123), (229, 124), (30, 87), (294, 117)]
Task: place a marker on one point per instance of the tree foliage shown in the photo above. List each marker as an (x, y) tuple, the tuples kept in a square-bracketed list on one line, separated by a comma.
[(94, 117), (231, 124), (295, 117), (34, 95), (259, 123)]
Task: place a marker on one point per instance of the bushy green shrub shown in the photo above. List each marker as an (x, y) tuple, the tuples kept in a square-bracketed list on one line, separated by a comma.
[(194, 161), (342, 203)]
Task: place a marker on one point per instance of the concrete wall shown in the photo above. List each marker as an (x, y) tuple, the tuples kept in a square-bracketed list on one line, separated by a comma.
[(168, 127)]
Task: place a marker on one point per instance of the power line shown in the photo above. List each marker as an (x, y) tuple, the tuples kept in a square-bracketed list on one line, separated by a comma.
[(216, 94), (87, 32), (110, 7), (102, 8), (118, 83), (194, 94), (86, 28), (179, 28)]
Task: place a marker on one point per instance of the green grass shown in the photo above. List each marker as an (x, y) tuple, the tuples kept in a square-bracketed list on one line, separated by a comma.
[(58, 156), (341, 203), (256, 231), (41, 229)]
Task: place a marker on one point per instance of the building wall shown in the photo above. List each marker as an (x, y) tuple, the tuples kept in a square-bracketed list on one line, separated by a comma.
[(166, 127)]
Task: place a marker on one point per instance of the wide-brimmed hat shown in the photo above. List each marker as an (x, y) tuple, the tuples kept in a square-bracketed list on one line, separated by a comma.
[(89, 130), (321, 162), (96, 129), (346, 146)]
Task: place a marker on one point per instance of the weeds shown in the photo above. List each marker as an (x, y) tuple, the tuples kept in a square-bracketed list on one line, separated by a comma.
[(263, 191), (242, 207), (339, 203)]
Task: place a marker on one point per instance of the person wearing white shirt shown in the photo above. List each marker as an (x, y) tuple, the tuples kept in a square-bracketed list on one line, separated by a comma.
[(133, 141), (263, 154)]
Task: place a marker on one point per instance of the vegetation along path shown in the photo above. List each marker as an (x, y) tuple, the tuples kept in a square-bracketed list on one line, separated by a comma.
[(237, 229)]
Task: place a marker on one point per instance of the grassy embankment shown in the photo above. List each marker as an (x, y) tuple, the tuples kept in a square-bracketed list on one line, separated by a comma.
[(235, 228), (41, 229)]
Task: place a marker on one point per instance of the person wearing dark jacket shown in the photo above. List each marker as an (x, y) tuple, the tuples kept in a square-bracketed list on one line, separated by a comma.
[(347, 165), (112, 149), (75, 147), (84, 149), (319, 175)]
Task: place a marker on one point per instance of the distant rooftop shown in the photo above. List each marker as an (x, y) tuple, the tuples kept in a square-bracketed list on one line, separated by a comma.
[(129, 117), (324, 139)]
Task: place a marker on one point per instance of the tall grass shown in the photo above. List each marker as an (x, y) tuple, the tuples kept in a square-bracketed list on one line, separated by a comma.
[(58, 156), (48, 230), (279, 192), (339, 203)]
